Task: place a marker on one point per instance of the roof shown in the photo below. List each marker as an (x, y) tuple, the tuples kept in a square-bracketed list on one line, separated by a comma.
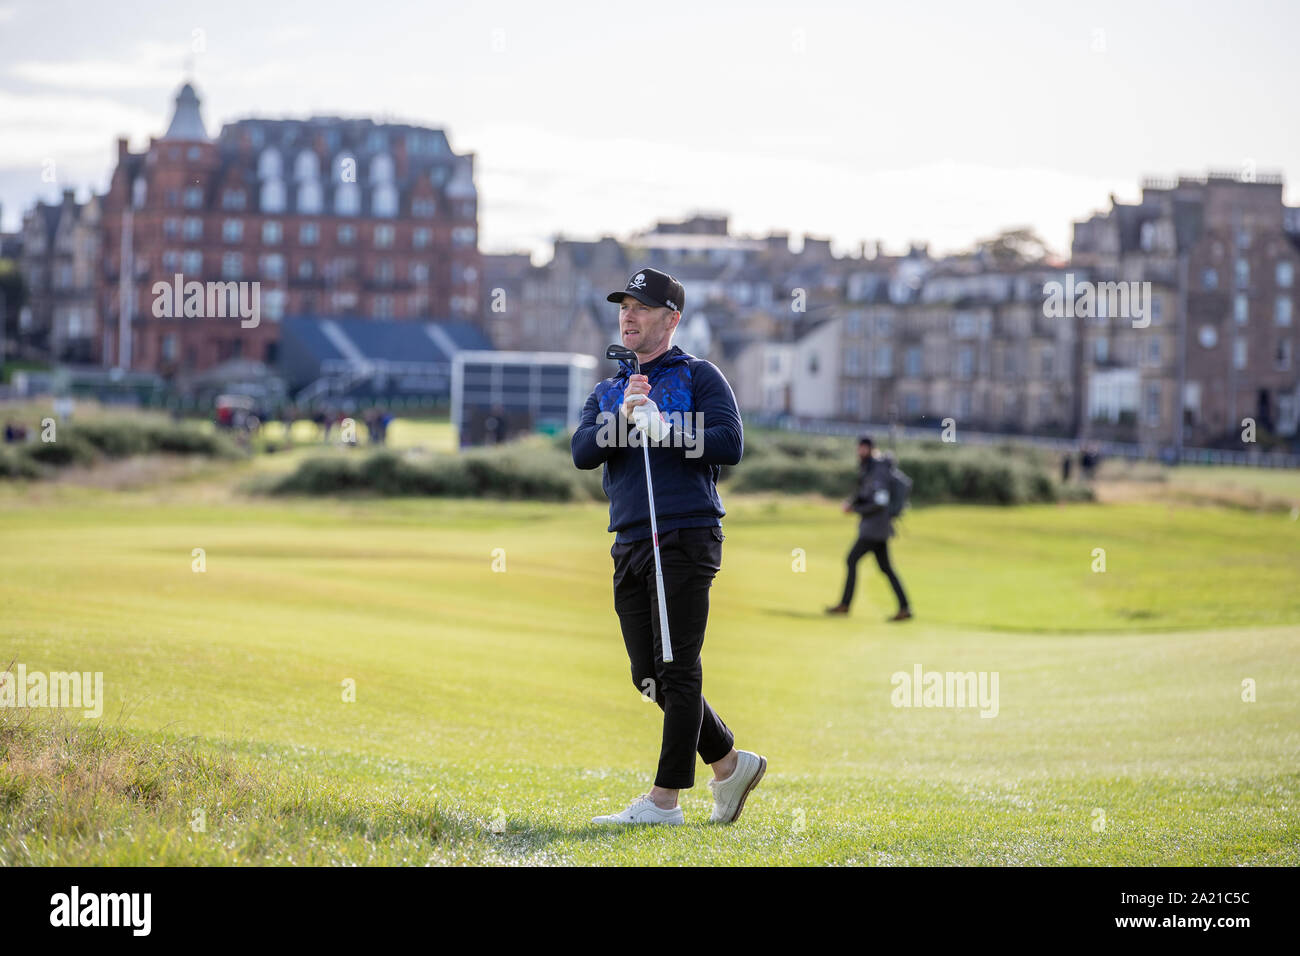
[(383, 340), (187, 120)]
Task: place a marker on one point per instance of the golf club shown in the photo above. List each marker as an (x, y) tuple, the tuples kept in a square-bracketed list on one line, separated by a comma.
[(624, 354)]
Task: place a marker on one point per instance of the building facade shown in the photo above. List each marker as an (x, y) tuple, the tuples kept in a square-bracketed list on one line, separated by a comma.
[(322, 217), (59, 259)]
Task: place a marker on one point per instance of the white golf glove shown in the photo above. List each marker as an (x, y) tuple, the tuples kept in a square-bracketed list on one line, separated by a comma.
[(881, 497), (647, 417)]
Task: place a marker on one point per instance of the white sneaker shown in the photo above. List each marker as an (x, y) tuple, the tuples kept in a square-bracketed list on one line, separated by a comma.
[(643, 810), (729, 795)]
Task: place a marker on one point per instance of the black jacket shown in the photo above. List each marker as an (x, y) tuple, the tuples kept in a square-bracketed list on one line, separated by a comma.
[(685, 483), (872, 500)]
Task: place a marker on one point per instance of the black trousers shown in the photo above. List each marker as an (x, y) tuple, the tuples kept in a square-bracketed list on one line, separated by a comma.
[(691, 558), (880, 549)]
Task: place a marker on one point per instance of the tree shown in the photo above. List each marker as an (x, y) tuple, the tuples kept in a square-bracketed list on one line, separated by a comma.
[(1020, 246)]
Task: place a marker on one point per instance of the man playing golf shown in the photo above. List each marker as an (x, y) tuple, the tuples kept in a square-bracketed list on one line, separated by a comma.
[(689, 411)]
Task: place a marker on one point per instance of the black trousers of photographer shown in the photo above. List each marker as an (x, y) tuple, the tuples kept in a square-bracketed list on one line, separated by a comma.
[(861, 548), (691, 557)]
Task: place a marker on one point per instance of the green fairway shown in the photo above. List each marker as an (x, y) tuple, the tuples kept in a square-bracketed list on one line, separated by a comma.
[(502, 700)]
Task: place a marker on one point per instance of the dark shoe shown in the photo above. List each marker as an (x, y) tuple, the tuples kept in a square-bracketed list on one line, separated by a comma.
[(903, 615), (838, 609)]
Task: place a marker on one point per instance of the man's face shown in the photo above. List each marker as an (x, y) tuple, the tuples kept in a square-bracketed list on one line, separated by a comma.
[(864, 450), (645, 329)]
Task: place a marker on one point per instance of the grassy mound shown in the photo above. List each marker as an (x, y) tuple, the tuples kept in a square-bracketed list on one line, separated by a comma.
[(65, 784)]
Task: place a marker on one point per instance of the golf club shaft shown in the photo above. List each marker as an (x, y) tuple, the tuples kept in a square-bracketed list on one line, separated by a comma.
[(659, 569)]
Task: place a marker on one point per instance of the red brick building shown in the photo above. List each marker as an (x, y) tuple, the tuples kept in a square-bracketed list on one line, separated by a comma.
[(318, 217)]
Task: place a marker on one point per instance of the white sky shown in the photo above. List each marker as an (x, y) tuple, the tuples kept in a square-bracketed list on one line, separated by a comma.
[(943, 121)]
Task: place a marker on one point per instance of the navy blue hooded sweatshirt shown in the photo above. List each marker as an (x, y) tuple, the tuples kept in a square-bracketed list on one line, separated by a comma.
[(686, 493)]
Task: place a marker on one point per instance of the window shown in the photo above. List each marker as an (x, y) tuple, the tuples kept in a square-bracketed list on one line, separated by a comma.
[(1048, 363), (963, 325), (275, 299), (423, 208), (269, 165), (347, 200), (884, 360), (884, 325), (309, 233), (384, 306), (912, 405), (1208, 336), (1210, 279), (232, 230), (272, 233), (1101, 350), (306, 269), (1284, 274), (170, 260), (193, 197), (171, 197), (1243, 238), (419, 272), (384, 200), (169, 347), (1282, 311), (171, 228), (232, 265), (384, 270), (1240, 308), (851, 362), (311, 198), (1153, 352), (421, 238), (965, 362), (812, 364), (463, 236), (273, 195), (192, 262), (193, 153), (307, 165), (1239, 352), (912, 362), (1153, 403), (347, 235), (193, 228), (232, 199), (1157, 309), (1282, 355), (384, 236), (852, 323), (1243, 273), (273, 266), (963, 403)]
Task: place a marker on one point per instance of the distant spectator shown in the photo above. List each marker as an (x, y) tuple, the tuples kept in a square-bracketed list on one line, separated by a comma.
[(1067, 460)]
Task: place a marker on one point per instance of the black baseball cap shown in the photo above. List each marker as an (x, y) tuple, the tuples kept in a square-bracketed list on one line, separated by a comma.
[(865, 439), (652, 287)]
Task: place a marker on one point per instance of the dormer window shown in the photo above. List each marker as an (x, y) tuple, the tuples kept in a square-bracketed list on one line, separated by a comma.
[(269, 165)]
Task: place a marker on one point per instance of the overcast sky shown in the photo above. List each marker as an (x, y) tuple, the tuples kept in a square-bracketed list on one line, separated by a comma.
[(943, 121)]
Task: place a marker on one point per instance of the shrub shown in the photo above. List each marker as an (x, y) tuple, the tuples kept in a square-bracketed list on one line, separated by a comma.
[(68, 448), (184, 440), (538, 473), (13, 465), (116, 439)]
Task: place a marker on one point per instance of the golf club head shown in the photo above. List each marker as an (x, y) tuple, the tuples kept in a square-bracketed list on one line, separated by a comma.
[(621, 353)]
